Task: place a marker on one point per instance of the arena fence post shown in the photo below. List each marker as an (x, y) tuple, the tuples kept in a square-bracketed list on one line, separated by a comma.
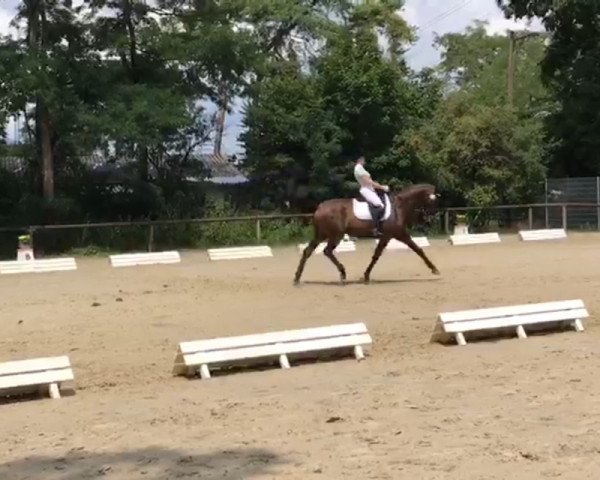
[(598, 202), (258, 234), (447, 222), (546, 201), (31, 232), (150, 237)]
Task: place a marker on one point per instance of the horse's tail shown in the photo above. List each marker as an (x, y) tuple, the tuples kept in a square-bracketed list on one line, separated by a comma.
[(315, 226), (318, 234)]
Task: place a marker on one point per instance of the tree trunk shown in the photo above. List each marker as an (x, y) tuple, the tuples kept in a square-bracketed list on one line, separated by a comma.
[(36, 23), (45, 142), (130, 26), (142, 158), (131, 66), (221, 115)]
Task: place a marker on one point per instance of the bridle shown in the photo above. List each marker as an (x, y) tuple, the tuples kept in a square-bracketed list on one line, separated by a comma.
[(424, 213)]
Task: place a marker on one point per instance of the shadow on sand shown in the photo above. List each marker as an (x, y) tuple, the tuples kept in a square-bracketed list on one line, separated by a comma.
[(371, 282), (65, 392), (152, 463)]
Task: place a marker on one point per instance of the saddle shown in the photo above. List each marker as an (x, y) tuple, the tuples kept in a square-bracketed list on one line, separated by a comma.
[(363, 210)]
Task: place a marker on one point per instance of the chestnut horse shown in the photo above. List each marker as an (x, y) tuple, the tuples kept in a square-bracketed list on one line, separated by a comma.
[(334, 218)]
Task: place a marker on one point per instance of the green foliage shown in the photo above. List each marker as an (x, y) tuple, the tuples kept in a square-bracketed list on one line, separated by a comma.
[(305, 126), (476, 62), (244, 232), (224, 233), (125, 80), (324, 81), (572, 72), (481, 155), (291, 138), (477, 149), (382, 16), (105, 240), (369, 95)]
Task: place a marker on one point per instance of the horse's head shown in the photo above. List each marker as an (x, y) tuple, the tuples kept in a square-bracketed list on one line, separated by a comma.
[(416, 203)]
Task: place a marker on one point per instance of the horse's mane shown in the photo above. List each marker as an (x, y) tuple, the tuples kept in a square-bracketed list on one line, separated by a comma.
[(413, 189)]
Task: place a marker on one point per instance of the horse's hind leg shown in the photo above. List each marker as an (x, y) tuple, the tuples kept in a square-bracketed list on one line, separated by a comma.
[(308, 251), (328, 252)]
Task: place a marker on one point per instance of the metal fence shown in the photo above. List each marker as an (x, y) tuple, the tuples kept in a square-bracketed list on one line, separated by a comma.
[(160, 234), (274, 229), (577, 190)]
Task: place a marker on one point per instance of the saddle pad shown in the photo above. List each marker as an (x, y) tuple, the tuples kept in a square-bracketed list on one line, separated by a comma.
[(362, 212)]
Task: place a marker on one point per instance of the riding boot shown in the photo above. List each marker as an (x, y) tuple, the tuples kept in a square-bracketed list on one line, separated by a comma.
[(377, 215)]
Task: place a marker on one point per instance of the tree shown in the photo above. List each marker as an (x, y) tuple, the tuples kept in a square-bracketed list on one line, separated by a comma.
[(144, 98), (476, 62), (125, 79), (481, 155), (37, 69), (478, 149), (374, 101), (309, 122), (291, 138), (381, 17), (571, 71)]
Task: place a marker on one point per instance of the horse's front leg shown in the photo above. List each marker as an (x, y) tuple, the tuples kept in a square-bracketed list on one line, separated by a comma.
[(383, 242), (308, 251), (328, 252), (405, 238)]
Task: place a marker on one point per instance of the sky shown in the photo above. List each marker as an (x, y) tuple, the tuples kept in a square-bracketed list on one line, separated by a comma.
[(430, 17)]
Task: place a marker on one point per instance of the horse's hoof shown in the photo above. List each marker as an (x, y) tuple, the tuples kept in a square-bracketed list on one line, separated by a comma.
[(436, 272), (366, 280)]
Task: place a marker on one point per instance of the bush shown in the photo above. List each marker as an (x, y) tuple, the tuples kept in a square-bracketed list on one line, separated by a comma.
[(276, 231), (285, 231), (104, 240), (226, 233)]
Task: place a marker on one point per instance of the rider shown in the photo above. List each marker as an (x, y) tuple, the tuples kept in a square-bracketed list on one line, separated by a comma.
[(367, 190)]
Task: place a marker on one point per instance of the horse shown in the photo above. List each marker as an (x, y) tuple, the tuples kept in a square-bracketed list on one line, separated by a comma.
[(339, 216)]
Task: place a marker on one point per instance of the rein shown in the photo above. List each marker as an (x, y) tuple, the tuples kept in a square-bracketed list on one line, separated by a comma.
[(423, 210)]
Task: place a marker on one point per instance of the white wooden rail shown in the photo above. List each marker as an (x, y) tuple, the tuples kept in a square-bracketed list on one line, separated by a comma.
[(455, 324), (153, 258), (44, 375), (235, 253), (475, 238), (248, 349), (343, 246), (38, 266), (545, 234)]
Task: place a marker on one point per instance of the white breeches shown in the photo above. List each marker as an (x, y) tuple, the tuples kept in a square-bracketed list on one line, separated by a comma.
[(371, 197)]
